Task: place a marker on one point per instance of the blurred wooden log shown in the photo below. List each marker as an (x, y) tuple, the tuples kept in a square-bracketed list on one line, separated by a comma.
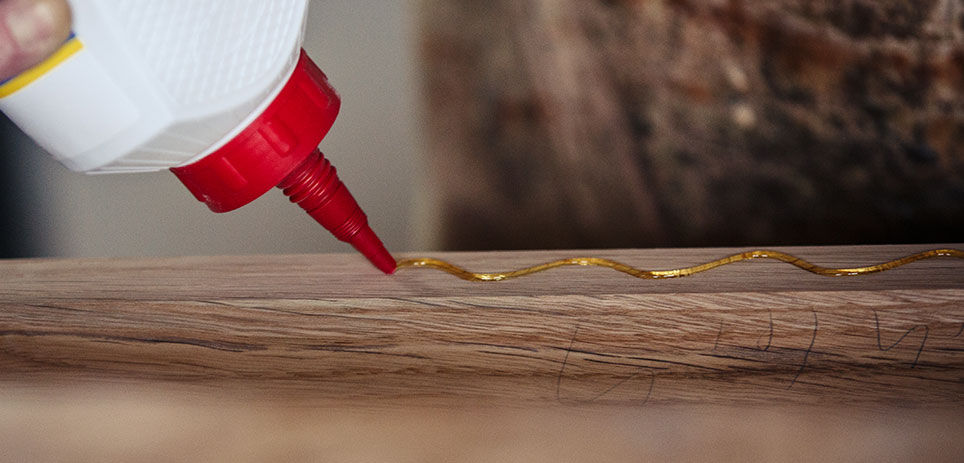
[(597, 123), (330, 329)]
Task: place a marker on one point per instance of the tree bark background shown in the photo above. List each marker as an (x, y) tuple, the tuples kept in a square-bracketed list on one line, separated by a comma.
[(606, 123)]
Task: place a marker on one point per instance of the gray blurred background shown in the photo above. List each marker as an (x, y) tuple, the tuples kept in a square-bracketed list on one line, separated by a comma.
[(366, 49)]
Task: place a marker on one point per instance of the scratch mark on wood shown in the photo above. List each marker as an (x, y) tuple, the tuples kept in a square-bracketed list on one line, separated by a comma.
[(927, 331), (300, 313), (511, 309), (413, 301), (512, 354), (920, 349), (204, 343), (770, 338), (652, 384), (565, 361), (672, 362), (718, 334), (355, 350), (589, 352), (806, 354), (56, 307), (733, 357), (624, 364), (500, 346)]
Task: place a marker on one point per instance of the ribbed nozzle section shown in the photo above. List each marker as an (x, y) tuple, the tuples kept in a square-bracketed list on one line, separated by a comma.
[(314, 185)]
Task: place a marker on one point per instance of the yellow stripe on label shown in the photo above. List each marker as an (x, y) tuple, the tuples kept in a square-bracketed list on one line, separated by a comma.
[(26, 77)]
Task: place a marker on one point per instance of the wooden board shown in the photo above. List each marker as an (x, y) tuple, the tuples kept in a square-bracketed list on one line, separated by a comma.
[(329, 329)]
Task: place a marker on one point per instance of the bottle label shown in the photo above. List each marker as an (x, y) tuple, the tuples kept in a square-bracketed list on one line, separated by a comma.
[(69, 104), (19, 81)]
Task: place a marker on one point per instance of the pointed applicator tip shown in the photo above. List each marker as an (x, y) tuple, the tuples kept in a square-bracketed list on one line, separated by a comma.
[(315, 187), (367, 243)]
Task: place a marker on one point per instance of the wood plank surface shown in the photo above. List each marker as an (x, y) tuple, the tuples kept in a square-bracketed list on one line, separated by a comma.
[(329, 329)]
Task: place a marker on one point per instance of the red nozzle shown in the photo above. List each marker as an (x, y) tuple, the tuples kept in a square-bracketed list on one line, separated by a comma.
[(314, 185), (279, 148)]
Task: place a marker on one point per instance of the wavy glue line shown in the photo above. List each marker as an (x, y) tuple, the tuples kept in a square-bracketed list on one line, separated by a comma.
[(680, 272)]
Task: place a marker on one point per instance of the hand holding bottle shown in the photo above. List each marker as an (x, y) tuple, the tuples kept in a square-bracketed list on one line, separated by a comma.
[(30, 30)]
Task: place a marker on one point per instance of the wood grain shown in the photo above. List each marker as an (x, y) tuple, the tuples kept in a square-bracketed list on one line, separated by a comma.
[(329, 329)]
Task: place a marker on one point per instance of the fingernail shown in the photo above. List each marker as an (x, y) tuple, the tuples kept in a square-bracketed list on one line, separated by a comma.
[(37, 27)]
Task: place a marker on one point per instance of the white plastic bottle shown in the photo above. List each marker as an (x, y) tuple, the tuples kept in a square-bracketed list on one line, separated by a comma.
[(219, 91)]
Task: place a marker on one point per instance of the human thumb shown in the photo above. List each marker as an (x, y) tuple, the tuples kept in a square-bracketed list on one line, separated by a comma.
[(30, 30)]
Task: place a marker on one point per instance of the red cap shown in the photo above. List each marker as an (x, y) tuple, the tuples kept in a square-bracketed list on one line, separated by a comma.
[(279, 148)]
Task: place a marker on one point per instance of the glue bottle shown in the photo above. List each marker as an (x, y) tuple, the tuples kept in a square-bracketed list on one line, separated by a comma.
[(218, 91)]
